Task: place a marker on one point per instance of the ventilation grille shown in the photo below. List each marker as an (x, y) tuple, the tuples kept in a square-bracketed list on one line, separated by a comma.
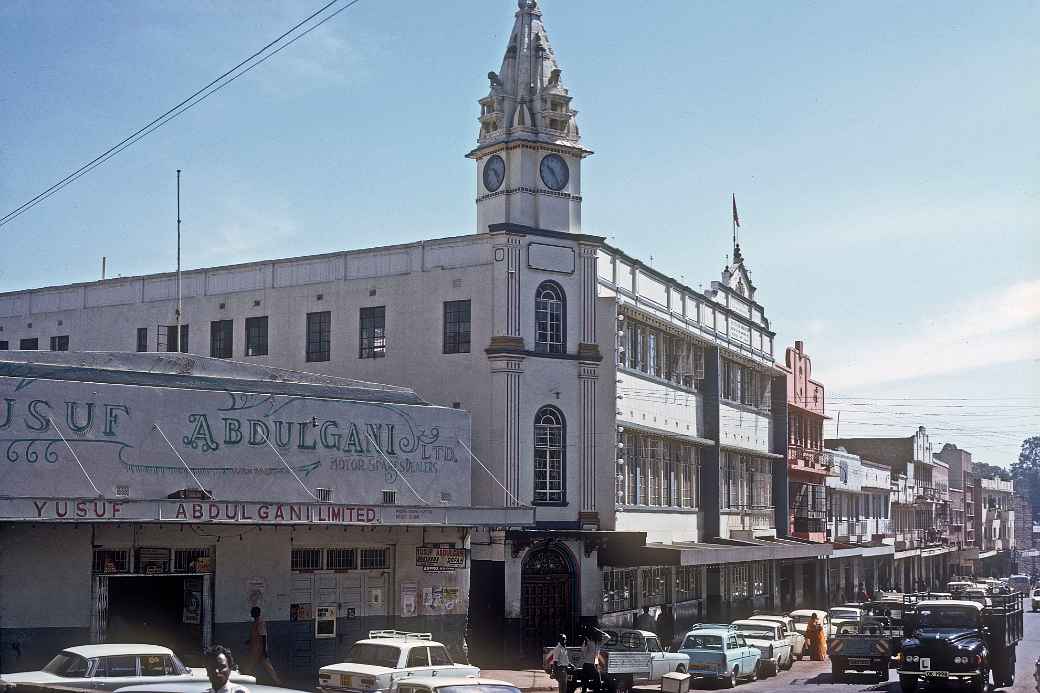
[(389, 497), (324, 495), (123, 491)]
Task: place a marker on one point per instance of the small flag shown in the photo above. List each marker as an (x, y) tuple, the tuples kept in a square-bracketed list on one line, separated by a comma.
[(736, 219)]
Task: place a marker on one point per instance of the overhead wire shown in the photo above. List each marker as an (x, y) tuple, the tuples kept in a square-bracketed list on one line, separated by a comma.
[(193, 100)]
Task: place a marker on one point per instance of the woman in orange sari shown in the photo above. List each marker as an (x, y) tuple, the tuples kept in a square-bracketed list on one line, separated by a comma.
[(816, 639)]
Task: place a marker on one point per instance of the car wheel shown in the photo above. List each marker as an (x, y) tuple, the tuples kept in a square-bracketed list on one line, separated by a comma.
[(981, 684), (908, 683), (732, 680), (754, 674), (789, 663)]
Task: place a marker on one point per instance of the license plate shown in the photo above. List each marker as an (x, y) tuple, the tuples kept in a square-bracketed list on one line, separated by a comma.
[(859, 661), (344, 680), (935, 674), (698, 666)]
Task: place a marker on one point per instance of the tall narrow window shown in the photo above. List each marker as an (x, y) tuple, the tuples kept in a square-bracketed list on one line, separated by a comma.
[(456, 327), (548, 456), (60, 343), (319, 333), (142, 339), (373, 333), (221, 334), (29, 344), (256, 336), (549, 315), (171, 338), (4, 346)]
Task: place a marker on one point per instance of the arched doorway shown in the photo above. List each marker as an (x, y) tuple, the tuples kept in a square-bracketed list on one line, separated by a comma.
[(548, 597)]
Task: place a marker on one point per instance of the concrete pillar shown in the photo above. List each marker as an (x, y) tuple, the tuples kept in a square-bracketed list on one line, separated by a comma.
[(711, 456)]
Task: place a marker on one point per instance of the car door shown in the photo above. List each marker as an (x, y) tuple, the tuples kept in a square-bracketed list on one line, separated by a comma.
[(658, 665), (440, 661), (734, 655), (748, 661), (114, 672)]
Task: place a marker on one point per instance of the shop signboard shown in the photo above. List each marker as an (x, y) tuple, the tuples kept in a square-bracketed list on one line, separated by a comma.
[(80, 439), (439, 558)]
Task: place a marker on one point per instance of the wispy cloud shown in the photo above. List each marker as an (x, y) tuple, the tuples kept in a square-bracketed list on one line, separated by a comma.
[(248, 233), (1002, 326)]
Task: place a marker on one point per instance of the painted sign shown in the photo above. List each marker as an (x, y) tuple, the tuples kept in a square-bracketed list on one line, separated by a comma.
[(739, 331), (250, 447), (435, 558)]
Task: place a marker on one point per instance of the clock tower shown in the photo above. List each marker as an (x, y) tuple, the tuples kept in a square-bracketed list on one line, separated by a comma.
[(529, 151)]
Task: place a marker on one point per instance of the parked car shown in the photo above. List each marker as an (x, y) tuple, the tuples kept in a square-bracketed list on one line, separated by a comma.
[(796, 639), (801, 620), (844, 614), (630, 657), (380, 662), (195, 687), (111, 666), (720, 654), (1035, 599), (772, 644), (1020, 583), (978, 595), (450, 684)]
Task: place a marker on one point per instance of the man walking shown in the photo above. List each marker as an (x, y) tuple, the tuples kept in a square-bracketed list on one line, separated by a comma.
[(594, 639), (561, 663), (258, 648)]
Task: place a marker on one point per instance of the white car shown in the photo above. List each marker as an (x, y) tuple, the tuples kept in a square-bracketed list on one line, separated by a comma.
[(387, 657), (452, 684), (840, 615), (786, 624), (801, 620), (195, 687), (1034, 599), (767, 637), (111, 666)]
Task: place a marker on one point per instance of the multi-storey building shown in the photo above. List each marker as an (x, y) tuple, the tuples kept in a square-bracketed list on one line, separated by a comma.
[(995, 525), (858, 526), (920, 505), (807, 469), (643, 421), (962, 508), (1023, 549)]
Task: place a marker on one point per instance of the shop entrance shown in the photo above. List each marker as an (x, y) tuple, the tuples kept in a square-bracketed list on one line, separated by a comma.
[(170, 610), (548, 599)]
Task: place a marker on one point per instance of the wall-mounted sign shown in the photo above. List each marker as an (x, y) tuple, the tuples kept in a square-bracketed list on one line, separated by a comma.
[(740, 332), (408, 593), (436, 558), (325, 622)]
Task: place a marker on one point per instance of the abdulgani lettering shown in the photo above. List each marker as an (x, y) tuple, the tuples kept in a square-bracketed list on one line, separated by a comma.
[(274, 512), (340, 436)]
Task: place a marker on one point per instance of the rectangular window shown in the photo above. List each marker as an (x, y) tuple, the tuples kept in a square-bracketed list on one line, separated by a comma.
[(373, 559), (619, 590), (655, 585), (4, 346), (256, 336), (171, 338), (687, 583), (221, 333), (60, 343), (31, 344), (341, 559), (142, 339), (305, 559), (373, 333), (456, 327), (319, 333)]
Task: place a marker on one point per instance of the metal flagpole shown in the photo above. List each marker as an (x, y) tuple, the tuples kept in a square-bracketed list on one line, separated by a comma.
[(178, 337)]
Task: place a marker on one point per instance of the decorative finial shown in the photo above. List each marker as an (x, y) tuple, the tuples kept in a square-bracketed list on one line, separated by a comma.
[(527, 4), (737, 257)]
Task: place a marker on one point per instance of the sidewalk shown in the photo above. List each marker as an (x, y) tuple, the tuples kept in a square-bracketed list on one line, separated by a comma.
[(525, 679)]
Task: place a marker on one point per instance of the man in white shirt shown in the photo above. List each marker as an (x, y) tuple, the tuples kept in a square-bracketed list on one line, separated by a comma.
[(594, 639), (219, 664), (561, 660)]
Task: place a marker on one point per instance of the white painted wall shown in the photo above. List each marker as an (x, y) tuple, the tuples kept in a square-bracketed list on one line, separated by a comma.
[(661, 527), (743, 428), (667, 409)]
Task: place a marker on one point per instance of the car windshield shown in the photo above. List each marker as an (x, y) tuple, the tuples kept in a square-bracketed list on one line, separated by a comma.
[(948, 617), (374, 655), (68, 665), (843, 613), (702, 641), (762, 631)]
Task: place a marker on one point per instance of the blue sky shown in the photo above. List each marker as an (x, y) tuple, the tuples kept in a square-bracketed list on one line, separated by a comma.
[(884, 156)]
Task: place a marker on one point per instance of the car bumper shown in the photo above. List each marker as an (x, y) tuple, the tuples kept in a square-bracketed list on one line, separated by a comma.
[(708, 674), (950, 675)]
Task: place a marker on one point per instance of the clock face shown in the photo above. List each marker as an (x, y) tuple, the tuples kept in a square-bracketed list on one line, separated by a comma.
[(494, 173), (555, 173)]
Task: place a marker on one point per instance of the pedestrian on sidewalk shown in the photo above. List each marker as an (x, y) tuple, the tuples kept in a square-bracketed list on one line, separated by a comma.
[(561, 663), (646, 620), (815, 639), (259, 654), (219, 664), (594, 639)]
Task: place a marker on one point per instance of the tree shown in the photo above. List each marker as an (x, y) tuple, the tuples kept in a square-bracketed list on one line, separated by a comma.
[(1026, 471)]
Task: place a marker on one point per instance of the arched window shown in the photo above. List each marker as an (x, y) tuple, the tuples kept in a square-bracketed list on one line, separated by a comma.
[(550, 309), (549, 456)]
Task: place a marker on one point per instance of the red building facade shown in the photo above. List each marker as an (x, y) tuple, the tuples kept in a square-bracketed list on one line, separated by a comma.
[(808, 466)]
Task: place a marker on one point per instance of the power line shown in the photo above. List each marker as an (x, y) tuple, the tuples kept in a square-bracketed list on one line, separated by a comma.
[(193, 100)]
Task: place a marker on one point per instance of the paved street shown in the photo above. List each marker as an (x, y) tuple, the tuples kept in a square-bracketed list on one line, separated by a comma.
[(817, 675)]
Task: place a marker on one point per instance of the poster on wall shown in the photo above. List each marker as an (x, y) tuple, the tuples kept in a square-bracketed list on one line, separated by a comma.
[(192, 610), (427, 597), (375, 596), (451, 597), (408, 592), (439, 558), (255, 588)]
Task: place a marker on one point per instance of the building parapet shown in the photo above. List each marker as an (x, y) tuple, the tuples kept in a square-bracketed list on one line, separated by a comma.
[(998, 485)]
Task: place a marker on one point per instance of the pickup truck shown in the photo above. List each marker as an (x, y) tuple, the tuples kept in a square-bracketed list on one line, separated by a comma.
[(629, 657), (385, 658), (863, 645), (961, 641)]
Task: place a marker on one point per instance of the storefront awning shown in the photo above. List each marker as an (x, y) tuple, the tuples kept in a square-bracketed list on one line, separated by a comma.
[(697, 440), (713, 552), (751, 451)]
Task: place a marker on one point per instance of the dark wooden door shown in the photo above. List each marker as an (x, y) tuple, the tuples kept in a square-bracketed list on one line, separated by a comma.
[(547, 600)]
